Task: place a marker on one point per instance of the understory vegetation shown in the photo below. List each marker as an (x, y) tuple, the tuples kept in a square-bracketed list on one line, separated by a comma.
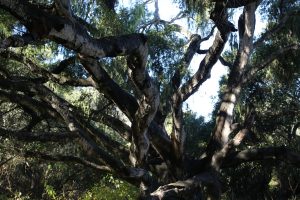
[(93, 100)]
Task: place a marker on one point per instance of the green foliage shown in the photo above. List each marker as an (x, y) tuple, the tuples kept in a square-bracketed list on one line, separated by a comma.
[(274, 99), (15, 196), (164, 50), (6, 24), (50, 192), (134, 17), (11, 114), (247, 177), (198, 8), (198, 133), (274, 96), (110, 188)]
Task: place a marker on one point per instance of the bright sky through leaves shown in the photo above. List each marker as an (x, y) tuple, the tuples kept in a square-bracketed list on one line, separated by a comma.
[(202, 102)]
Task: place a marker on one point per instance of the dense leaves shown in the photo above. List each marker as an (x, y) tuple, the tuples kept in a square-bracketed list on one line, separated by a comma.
[(92, 100)]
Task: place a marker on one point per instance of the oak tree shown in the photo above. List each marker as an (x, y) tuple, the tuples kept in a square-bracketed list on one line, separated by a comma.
[(133, 76)]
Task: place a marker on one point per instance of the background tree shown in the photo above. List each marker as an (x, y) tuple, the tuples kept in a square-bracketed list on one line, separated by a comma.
[(92, 89)]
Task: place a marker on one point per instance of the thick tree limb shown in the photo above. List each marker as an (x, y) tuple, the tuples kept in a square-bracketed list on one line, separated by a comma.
[(178, 134), (243, 133), (211, 57), (225, 62), (123, 129), (110, 4), (142, 178), (41, 109), (224, 119), (221, 59), (63, 65), (148, 104), (65, 158), (63, 7), (234, 3), (99, 136), (203, 72), (193, 46), (111, 145), (127, 103), (268, 153), (74, 126), (226, 158), (220, 17), (16, 41), (184, 189), (37, 136), (76, 82), (71, 34), (44, 24), (273, 56), (202, 51), (65, 111), (279, 26), (133, 175), (33, 67), (142, 117), (62, 27), (209, 35), (218, 157)]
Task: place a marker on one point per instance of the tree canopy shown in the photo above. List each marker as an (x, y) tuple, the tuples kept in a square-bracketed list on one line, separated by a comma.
[(92, 95)]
